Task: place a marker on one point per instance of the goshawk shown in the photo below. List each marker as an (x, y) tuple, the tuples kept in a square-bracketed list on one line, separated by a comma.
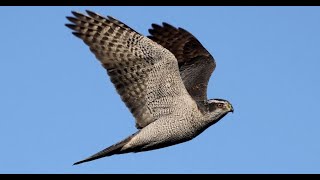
[(161, 78)]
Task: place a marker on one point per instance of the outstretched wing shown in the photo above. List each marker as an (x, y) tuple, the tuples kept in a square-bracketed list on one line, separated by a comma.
[(195, 63), (145, 74)]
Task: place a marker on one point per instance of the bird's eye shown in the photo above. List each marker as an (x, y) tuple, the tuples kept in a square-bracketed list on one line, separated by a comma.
[(220, 105)]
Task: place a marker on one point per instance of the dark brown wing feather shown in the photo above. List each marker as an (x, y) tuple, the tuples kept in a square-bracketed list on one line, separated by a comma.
[(195, 63), (135, 65)]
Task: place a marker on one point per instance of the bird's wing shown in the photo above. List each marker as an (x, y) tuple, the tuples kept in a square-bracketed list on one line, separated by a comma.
[(145, 74), (196, 64)]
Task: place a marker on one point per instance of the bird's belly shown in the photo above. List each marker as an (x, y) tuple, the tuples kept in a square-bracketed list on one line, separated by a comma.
[(162, 133)]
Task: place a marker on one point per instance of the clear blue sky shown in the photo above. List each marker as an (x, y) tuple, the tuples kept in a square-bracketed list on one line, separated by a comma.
[(58, 105)]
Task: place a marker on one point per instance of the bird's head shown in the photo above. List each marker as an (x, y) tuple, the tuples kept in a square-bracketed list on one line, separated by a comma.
[(219, 106), (216, 109)]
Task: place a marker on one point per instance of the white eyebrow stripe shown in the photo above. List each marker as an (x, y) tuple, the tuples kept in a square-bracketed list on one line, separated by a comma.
[(215, 101)]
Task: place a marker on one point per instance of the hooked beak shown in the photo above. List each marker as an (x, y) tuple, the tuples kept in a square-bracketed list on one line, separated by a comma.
[(230, 108)]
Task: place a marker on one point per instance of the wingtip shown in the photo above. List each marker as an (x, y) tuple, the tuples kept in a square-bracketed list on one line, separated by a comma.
[(155, 26), (167, 25), (91, 13), (181, 29), (77, 14), (71, 26), (72, 19), (77, 34), (151, 31)]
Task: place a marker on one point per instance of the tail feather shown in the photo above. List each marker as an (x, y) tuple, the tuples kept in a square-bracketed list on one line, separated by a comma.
[(114, 149)]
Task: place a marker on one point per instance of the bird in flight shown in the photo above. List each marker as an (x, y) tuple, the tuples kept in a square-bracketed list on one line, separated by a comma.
[(162, 79)]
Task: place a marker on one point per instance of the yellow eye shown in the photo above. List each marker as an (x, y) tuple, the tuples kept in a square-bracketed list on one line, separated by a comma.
[(219, 105)]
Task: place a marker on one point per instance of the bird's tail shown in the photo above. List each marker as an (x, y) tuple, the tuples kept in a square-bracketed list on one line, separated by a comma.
[(114, 149)]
